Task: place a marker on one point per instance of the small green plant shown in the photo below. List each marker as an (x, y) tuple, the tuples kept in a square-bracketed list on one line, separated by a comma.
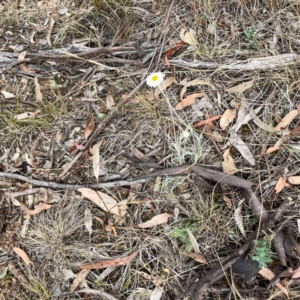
[(262, 251), (182, 235), (251, 38)]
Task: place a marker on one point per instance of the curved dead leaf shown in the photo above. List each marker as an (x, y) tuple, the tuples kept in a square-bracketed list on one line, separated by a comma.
[(188, 37), (287, 120), (40, 207), (275, 147), (110, 102), (227, 117), (189, 100), (207, 121), (268, 274), (166, 83), (197, 257), (89, 128), (38, 94), (23, 255), (80, 276), (295, 180), (238, 89), (193, 241), (228, 163), (196, 82), (104, 201), (108, 263), (239, 144), (23, 66), (281, 183), (171, 51), (157, 220)]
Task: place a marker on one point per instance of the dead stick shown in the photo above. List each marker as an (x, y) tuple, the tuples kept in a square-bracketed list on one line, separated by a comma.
[(100, 128), (65, 186)]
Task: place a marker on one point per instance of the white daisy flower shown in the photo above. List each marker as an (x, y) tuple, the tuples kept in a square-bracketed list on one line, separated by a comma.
[(155, 79)]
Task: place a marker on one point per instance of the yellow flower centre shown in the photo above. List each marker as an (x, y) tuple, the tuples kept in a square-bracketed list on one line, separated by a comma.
[(154, 78)]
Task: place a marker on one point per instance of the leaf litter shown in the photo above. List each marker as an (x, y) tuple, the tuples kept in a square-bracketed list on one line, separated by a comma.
[(222, 140)]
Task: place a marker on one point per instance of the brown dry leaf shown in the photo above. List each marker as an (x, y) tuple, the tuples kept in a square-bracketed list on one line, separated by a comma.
[(239, 218), (139, 155), (275, 147), (188, 37), (110, 103), (99, 220), (189, 100), (227, 117), (26, 115), (23, 66), (207, 121), (40, 207), (269, 275), (287, 120), (96, 158), (238, 89), (23, 255), (195, 82), (171, 51), (228, 163), (109, 263), (281, 183), (38, 94), (197, 257), (49, 30), (134, 100), (110, 228), (228, 201), (166, 83), (80, 276), (157, 220), (295, 180), (154, 8), (103, 200), (89, 127)]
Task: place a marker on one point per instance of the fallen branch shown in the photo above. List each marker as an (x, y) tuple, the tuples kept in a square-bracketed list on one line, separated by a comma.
[(257, 63), (65, 186)]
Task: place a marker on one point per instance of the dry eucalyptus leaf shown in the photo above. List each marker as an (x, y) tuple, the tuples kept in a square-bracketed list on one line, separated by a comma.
[(295, 180), (38, 94), (108, 263), (228, 163), (239, 144), (287, 120), (281, 183), (227, 117), (188, 37), (96, 158), (239, 218), (8, 95), (110, 103), (89, 127), (189, 100), (165, 84), (195, 82), (23, 255), (88, 220), (269, 275), (193, 241), (26, 115), (238, 89), (79, 277), (197, 257), (157, 220), (106, 202), (228, 201), (275, 147), (23, 66)]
